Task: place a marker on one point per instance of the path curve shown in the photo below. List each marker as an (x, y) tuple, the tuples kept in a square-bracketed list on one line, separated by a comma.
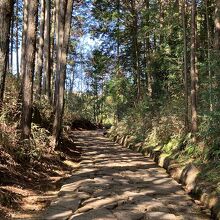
[(114, 183)]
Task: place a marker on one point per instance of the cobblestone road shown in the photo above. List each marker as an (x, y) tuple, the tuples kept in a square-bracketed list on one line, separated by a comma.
[(116, 183)]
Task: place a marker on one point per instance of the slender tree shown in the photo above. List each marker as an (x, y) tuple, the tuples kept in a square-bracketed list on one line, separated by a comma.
[(136, 55), (47, 48), (147, 55), (193, 70), (6, 12), (40, 50), (217, 49), (17, 40), (24, 35), (56, 84), (185, 65), (12, 42), (53, 49)]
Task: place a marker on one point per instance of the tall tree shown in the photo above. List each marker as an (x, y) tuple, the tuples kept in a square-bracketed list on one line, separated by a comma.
[(193, 70), (64, 15), (53, 49), (28, 68), (6, 11), (148, 74), (17, 40), (12, 42), (23, 46), (208, 53), (47, 47), (185, 65), (40, 50), (136, 55)]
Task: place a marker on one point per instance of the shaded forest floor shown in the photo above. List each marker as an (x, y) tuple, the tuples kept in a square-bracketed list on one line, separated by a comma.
[(28, 186)]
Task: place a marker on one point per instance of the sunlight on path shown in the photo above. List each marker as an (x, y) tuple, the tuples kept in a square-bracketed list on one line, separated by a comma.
[(116, 183)]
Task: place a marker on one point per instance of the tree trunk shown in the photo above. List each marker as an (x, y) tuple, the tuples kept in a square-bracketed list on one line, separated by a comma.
[(12, 43), (6, 10), (47, 47), (147, 55), (161, 20), (57, 76), (53, 58), (118, 38), (193, 71), (136, 64), (29, 64), (217, 26), (40, 50), (64, 24), (23, 47), (217, 51), (17, 42), (208, 54), (185, 66)]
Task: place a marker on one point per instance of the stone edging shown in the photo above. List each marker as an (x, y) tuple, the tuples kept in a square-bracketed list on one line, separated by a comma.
[(185, 175)]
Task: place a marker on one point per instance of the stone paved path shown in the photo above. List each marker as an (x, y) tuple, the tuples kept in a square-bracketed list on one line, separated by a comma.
[(116, 183)]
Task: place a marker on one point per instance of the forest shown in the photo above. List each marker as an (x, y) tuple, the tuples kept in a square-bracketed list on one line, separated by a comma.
[(147, 69)]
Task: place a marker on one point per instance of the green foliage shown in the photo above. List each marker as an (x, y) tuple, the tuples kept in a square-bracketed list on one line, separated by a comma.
[(10, 135), (210, 133), (210, 174)]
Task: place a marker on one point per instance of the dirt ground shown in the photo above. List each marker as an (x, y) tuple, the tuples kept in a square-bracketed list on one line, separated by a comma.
[(28, 187)]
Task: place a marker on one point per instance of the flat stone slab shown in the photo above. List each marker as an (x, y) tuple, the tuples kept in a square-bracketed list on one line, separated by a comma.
[(160, 216), (115, 183), (57, 214), (128, 215), (99, 214)]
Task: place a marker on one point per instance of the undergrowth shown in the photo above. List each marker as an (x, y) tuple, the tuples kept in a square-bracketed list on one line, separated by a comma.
[(25, 164), (161, 126)]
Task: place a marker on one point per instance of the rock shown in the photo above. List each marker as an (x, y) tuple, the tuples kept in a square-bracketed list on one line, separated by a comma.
[(99, 214), (71, 187), (157, 206), (67, 203), (160, 216), (188, 176), (95, 203), (57, 213), (128, 215)]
